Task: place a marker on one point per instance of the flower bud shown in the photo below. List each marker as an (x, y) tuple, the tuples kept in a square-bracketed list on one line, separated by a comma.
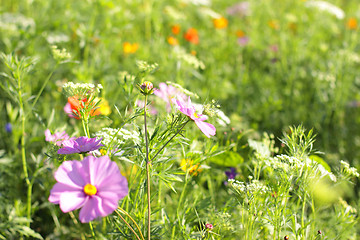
[(209, 226), (146, 88)]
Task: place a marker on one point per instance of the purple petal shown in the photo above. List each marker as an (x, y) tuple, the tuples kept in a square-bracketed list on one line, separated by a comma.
[(207, 128), (70, 201)]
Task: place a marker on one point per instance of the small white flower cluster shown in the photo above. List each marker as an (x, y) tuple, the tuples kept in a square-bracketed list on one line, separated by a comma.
[(292, 164), (116, 137), (60, 55), (144, 66), (55, 38), (326, 7), (349, 170), (174, 13), (81, 89), (15, 23), (181, 54), (254, 187)]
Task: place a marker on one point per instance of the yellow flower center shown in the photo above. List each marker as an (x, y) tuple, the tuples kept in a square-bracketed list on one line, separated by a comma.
[(195, 115), (90, 189)]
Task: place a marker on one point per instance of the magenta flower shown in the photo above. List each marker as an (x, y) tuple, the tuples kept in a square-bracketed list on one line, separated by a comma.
[(80, 145), (188, 109), (94, 184), (58, 138), (167, 93), (243, 41)]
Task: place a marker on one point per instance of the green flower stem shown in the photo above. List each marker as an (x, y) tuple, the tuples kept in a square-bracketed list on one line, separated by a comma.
[(85, 124), (128, 225), (128, 215), (170, 139), (23, 153), (92, 230), (182, 195), (147, 170), (42, 88)]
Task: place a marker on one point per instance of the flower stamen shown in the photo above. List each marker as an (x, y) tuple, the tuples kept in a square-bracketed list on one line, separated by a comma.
[(90, 189)]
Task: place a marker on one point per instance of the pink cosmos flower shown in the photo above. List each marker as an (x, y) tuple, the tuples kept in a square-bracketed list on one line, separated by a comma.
[(80, 145), (167, 93), (188, 109), (57, 138), (94, 184)]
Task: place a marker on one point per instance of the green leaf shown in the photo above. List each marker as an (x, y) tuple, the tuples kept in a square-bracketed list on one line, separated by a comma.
[(320, 161), (227, 159), (29, 232)]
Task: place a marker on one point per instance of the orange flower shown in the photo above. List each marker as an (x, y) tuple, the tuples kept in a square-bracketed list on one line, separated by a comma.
[(192, 36), (130, 48), (175, 29), (172, 41), (220, 23), (352, 24), (193, 52), (274, 24), (75, 104), (240, 34)]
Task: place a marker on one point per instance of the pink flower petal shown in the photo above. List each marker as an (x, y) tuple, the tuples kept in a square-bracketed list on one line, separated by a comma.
[(58, 189), (68, 174), (97, 207), (207, 128), (70, 201)]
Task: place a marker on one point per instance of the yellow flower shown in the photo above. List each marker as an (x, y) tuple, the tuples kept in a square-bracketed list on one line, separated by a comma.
[(104, 107), (172, 41), (187, 165), (352, 24), (130, 48), (220, 23), (274, 24)]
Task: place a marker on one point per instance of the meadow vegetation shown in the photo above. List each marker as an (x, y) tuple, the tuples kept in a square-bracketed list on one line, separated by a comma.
[(186, 119)]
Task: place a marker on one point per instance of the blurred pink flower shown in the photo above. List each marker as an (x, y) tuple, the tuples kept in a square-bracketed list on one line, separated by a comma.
[(94, 184), (168, 92), (150, 108), (57, 138), (243, 41), (241, 9), (188, 109), (80, 145)]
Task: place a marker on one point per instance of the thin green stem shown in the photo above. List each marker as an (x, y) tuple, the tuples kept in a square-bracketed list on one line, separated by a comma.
[(170, 140), (23, 153), (303, 212), (42, 89), (182, 194), (75, 221), (128, 225), (147, 170), (128, 215), (92, 230)]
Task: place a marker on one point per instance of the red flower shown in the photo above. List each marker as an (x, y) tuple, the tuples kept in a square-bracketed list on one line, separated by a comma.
[(192, 36)]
